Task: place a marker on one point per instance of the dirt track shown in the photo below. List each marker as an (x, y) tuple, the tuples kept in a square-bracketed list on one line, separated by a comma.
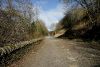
[(60, 53)]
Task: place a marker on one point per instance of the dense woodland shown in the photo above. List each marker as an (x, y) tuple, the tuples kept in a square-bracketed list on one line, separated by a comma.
[(19, 22), (82, 20)]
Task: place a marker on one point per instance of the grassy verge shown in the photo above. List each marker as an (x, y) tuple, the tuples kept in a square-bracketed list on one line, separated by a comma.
[(15, 55), (88, 43)]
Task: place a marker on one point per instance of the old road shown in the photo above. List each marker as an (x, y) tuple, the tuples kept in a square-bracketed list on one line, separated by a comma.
[(54, 52)]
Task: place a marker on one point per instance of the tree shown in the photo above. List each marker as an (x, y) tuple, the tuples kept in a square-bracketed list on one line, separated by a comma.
[(91, 6), (16, 17)]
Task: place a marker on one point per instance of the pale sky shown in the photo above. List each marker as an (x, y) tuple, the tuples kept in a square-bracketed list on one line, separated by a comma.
[(50, 11), (52, 16)]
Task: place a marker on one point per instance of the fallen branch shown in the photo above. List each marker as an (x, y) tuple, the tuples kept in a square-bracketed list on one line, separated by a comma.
[(11, 47)]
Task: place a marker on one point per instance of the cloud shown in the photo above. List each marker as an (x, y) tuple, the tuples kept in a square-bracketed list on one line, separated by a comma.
[(51, 16)]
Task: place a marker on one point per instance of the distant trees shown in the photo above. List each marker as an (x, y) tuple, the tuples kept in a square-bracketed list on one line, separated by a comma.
[(40, 29)]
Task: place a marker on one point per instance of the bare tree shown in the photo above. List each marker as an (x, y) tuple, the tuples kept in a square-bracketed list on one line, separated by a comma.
[(92, 8)]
